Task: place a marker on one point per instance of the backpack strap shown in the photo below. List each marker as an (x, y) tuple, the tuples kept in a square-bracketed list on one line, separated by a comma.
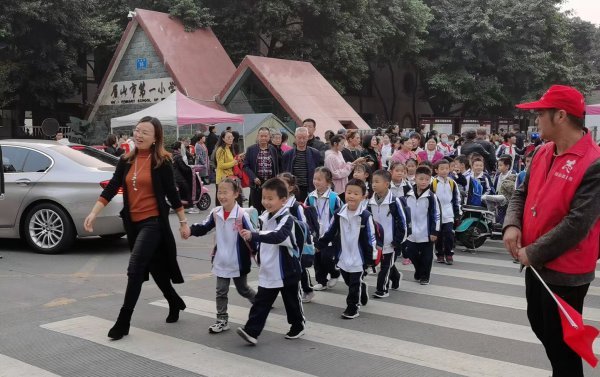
[(434, 185), (332, 201)]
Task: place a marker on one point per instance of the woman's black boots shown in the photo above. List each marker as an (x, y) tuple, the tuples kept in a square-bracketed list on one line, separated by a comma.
[(176, 304), (121, 327)]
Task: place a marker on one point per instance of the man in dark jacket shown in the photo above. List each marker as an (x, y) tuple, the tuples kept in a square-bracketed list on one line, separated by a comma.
[(490, 160), (470, 146), (261, 163), (302, 162), (520, 136), (314, 141)]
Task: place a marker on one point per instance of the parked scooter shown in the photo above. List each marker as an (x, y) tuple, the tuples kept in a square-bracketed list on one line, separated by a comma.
[(476, 226), (200, 194)]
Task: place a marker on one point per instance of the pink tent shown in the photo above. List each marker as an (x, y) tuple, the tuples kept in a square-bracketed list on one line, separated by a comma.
[(178, 110), (592, 109)]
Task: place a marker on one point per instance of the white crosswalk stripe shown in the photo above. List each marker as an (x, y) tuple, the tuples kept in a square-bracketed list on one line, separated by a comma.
[(178, 353), (397, 349), (196, 357), (518, 280), (10, 367)]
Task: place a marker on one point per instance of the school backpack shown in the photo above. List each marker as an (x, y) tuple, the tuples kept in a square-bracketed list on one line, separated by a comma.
[(379, 236), (304, 234), (476, 192), (435, 183), (332, 201), (310, 214)]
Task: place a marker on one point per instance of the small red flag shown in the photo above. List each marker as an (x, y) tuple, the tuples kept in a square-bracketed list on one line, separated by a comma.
[(576, 334)]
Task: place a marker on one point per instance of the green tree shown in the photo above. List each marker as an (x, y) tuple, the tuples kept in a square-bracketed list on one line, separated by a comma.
[(43, 44), (339, 37), (483, 57)]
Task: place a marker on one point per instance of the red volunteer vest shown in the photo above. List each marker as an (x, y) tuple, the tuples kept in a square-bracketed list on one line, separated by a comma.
[(551, 188)]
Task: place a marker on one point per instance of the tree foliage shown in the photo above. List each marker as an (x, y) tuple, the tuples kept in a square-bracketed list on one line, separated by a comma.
[(483, 57), (42, 43)]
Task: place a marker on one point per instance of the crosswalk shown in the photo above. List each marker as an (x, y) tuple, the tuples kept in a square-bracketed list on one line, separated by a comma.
[(443, 329)]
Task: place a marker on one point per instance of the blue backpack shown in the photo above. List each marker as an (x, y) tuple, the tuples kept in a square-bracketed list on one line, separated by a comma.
[(332, 201), (476, 191)]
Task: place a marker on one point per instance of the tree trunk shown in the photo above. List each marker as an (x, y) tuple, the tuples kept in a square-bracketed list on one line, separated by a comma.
[(394, 94), (379, 95)]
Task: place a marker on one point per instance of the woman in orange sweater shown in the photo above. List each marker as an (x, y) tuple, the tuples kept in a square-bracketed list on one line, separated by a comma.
[(146, 177)]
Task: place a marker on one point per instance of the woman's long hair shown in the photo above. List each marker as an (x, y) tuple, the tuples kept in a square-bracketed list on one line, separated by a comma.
[(157, 150)]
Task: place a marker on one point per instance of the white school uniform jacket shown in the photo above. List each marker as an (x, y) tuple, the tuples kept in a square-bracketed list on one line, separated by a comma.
[(323, 206), (383, 215), (231, 253), (400, 190), (351, 257), (424, 215), (276, 237), (449, 197)]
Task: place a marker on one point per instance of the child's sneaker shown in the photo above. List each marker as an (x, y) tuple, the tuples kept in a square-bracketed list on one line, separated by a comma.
[(319, 287), (295, 332), (350, 313), (449, 260), (364, 293), (379, 294), (219, 326), (308, 296), (395, 284), (406, 262), (250, 339), (440, 259), (424, 281), (332, 282)]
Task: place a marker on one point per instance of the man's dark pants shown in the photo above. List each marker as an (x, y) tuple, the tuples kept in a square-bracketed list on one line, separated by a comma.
[(542, 312)]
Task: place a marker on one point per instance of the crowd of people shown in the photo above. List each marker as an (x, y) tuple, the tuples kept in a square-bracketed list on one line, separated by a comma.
[(354, 202)]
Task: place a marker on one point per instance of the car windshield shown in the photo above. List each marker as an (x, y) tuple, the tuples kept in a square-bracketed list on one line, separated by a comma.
[(89, 157)]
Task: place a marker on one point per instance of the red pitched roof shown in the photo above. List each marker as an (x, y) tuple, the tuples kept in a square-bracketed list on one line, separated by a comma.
[(195, 60), (301, 90)]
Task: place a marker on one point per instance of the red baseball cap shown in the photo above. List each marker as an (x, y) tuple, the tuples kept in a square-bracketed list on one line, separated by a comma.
[(559, 97)]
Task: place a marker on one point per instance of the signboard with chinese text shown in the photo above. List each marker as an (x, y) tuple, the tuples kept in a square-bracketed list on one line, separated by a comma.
[(139, 91), (141, 64)]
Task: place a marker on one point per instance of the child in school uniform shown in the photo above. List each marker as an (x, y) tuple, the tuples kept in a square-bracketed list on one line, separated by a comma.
[(278, 257), (478, 165), (361, 172), (327, 203), (388, 211), (446, 190), (297, 211), (232, 254), (411, 168), (399, 186), (352, 233), (425, 225)]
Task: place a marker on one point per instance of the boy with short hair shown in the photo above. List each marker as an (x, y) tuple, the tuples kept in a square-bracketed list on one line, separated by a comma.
[(352, 233), (521, 176), (478, 166), (446, 190), (388, 211), (280, 270), (425, 223), (466, 182)]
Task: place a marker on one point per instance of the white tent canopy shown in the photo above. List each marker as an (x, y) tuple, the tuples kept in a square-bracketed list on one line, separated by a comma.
[(178, 110)]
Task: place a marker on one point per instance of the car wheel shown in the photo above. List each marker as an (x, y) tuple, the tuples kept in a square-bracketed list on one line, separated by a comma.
[(48, 229), (204, 202), (112, 236)]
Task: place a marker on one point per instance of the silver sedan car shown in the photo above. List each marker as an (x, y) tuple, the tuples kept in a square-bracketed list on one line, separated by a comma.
[(49, 190)]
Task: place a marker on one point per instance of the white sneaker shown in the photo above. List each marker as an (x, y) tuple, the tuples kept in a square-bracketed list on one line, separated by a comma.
[(307, 297), (332, 282), (320, 287), (219, 326), (193, 210)]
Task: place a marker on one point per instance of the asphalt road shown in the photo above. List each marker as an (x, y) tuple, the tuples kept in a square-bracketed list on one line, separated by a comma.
[(55, 312)]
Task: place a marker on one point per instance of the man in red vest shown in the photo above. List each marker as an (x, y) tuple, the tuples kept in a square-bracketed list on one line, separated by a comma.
[(552, 220)]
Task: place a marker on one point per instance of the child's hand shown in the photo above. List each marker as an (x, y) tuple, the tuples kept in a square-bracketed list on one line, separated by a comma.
[(246, 234), (433, 238)]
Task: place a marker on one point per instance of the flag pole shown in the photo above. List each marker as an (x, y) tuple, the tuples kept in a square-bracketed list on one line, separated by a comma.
[(562, 309)]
